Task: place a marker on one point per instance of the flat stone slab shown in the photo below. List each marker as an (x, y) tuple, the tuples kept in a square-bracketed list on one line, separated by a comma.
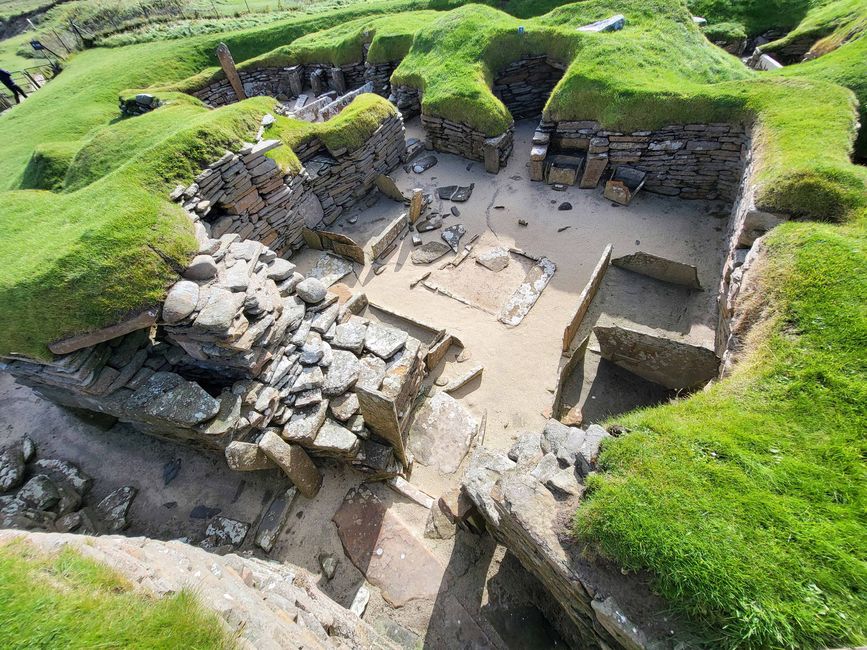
[(385, 550), (660, 268), (526, 295), (430, 252), (330, 268), (495, 259), (441, 433), (341, 374), (274, 519), (453, 234), (384, 341)]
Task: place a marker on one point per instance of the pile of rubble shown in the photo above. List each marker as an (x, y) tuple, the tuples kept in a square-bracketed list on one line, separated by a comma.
[(138, 105), (50, 494)]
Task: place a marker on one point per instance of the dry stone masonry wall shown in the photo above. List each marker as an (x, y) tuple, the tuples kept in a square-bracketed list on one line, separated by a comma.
[(690, 161), (525, 85)]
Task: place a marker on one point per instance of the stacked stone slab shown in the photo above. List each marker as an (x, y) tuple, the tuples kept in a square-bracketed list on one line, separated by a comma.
[(248, 194), (379, 75), (691, 161), (519, 495), (463, 140), (407, 99), (340, 178), (138, 105), (525, 85), (285, 82)]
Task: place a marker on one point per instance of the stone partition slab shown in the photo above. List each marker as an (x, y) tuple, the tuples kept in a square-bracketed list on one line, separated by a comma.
[(662, 360), (691, 161)]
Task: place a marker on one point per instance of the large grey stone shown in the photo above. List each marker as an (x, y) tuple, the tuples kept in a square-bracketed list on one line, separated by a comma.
[(180, 302), (527, 449), (336, 440), (313, 349), (311, 290), (114, 508), (223, 531), (341, 374), (247, 457), (344, 406), (39, 493), (274, 519), (441, 433), (294, 462), (304, 424), (384, 341), (62, 471), (350, 335), (11, 468), (484, 470), (588, 453), (429, 252), (371, 372), (280, 269), (219, 313), (201, 268), (171, 398)]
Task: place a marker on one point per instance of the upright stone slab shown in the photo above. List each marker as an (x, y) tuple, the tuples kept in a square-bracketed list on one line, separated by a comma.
[(294, 462), (228, 65), (594, 167)]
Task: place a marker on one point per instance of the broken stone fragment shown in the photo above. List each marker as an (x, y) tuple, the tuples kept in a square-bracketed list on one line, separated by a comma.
[(359, 602), (371, 372), (463, 379), (274, 519), (113, 509), (62, 471), (304, 423), (527, 450), (384, 341), (429, 252), (588, 454), (203, 267), (341, 374), (247, 457), (336, 440), (294, 462), (441, 433), (180, 302), (328, 564), (280, 269), (221, 310), (495, 259), (171, 398), (311, 353), (484, 470), (438, 525), (39, 493), (11, 468), (344, 406), (311, 290), (433, 222), (223, 531), (453, 234), (350, 335)]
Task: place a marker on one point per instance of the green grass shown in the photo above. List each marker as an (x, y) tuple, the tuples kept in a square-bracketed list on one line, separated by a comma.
[(747, 500), (65, 600)]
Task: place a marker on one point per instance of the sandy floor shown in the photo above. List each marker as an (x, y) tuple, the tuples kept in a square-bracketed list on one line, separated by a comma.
[(519, 377), (520, 364)]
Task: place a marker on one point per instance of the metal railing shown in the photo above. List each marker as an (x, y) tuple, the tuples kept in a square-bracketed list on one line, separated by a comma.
[(30, 80)]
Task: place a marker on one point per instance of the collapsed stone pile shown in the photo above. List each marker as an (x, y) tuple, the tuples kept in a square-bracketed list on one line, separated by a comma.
[(50, 494)]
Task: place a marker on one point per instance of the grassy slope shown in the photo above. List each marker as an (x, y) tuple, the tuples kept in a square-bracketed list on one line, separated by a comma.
[(44, 601), (751, 517), (64, 252)]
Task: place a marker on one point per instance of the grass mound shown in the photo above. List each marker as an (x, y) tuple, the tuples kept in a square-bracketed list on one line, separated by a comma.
[(68, 601), (747, 500)]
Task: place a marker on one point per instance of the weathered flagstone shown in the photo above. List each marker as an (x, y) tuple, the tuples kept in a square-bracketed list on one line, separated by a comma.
[(384, 341), (441, 433), (385, 550), (341, 374)]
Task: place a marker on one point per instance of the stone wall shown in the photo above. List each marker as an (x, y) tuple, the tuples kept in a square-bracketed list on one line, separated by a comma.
[(525, 85), (272, 605), (407, 99), (340, 178), (526, 499), (247, 193), (379, 74), (463, 140), (285, 82), (691, 161)]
